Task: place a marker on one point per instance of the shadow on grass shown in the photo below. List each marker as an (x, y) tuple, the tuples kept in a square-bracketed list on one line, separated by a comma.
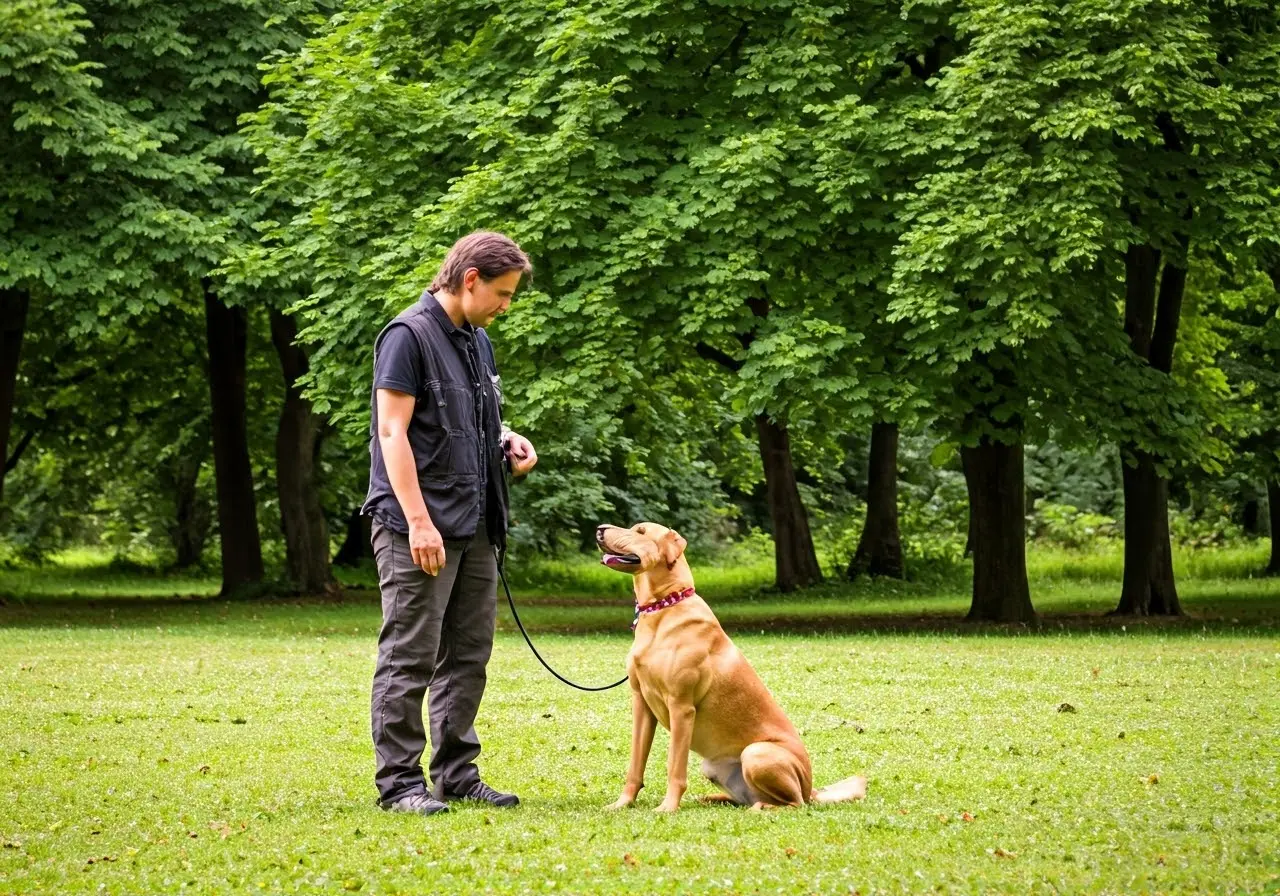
[(358, 611)]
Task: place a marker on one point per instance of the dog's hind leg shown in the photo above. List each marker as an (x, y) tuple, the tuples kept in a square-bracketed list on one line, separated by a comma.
[(775, 775), (727, 775)]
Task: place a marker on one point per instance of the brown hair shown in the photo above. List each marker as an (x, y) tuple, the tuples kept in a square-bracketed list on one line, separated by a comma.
[(490, 253)]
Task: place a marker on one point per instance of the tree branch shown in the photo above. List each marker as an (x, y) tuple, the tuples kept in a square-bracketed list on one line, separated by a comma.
[(711, 353)]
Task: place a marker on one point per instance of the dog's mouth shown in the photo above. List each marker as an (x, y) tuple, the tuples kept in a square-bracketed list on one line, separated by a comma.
[(622, 562), (619, 560)]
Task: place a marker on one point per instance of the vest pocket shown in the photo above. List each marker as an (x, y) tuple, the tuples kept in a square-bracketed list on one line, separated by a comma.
[(433, 450), (445, 405)]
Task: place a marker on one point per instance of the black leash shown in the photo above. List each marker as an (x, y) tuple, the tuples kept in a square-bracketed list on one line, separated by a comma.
[(512, 603)]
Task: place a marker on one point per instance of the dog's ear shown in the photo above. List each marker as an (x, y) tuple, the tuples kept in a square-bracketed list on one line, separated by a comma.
[(673, 546)]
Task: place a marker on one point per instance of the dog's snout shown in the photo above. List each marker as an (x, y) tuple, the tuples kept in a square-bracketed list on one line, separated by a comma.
[(600, 530)]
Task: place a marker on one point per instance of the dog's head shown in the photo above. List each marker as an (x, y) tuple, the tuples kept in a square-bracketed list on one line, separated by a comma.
[(650, 552)]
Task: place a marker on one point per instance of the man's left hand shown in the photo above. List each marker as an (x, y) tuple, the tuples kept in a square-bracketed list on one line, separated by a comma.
[(520, 454)]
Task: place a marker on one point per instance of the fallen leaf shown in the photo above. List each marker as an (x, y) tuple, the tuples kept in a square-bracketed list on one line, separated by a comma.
[(1003, 854), (630, 861), (790, 850), (965, 816), (1095, 671), (1153, 779), (204, 770), (1066, 707)]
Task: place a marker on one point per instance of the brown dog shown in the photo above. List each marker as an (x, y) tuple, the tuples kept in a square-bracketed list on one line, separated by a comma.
[(686, 673)]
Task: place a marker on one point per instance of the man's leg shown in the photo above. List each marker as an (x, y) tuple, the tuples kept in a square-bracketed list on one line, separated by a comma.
[(413, 609), (466, 642)]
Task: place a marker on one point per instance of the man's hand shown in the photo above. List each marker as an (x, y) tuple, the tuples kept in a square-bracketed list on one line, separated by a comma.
[(426, 547), (520, 454)]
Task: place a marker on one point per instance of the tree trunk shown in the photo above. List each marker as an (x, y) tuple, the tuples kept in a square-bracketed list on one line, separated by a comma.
[(1251, 518), (358, 542), (190, 529), (1151, 323), (227, 331), (1148, 588), (879, 550), (797, 564), (13, 326), (306, 534), (1273, 514), (993, 474)]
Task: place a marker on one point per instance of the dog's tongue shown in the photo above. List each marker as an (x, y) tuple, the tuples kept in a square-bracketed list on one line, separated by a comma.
[(619, 559)]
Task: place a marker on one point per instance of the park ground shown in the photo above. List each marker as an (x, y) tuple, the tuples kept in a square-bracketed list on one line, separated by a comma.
[(157, 739)]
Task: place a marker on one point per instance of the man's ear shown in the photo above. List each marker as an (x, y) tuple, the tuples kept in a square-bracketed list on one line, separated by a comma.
[(673, 548)]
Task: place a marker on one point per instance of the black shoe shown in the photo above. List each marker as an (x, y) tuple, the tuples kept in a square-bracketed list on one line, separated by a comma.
[(481, 792), (419, 802)]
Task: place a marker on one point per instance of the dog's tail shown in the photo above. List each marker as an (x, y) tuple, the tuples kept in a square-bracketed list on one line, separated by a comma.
[(845, 791)]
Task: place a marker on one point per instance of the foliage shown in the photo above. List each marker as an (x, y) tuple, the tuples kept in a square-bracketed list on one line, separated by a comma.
[(654, 161), (1069, 527), (913, 211), (1051, 143)]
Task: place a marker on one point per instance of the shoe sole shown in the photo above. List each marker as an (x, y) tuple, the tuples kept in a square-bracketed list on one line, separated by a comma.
[(470, 799), (393, 809)]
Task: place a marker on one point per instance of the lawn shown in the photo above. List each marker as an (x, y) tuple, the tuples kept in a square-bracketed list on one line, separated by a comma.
[(206, 746)]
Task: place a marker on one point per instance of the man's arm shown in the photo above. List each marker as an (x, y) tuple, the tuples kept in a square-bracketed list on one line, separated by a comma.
[(395, 409)]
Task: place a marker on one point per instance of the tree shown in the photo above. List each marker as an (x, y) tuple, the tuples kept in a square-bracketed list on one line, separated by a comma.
[(130, 182), (879, 551), (1051, 178), (1242, 316), (68, 186), (656, 162), (298, 441)]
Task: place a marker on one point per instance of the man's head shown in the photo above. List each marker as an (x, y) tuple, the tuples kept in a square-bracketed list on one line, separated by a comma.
[(482, 271)]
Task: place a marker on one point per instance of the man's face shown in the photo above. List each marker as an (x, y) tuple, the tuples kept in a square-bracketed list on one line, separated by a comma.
[(483, 300)]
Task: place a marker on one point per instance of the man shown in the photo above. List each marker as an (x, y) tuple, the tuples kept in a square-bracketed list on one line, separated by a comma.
[(438, 500)]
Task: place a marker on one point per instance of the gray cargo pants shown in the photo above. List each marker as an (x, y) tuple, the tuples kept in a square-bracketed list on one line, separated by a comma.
[(436, 631)]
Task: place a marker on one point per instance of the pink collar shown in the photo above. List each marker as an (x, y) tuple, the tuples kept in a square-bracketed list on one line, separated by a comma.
[(669, 601)]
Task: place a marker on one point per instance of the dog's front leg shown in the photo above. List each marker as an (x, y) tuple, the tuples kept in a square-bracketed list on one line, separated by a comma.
[(643, 725), (682, 716)]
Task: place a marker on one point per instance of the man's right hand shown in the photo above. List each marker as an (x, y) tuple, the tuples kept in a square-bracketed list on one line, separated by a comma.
[(426, 547)]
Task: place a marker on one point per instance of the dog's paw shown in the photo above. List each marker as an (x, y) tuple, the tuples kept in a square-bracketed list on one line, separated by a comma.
[(620, 803), (667, 807), (715, 799)]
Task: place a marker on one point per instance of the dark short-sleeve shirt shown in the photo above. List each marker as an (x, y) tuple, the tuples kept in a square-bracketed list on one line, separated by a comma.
[(455, 430), (398, 362)]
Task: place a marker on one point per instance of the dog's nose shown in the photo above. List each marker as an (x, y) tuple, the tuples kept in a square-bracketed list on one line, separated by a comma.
[(600, 530)]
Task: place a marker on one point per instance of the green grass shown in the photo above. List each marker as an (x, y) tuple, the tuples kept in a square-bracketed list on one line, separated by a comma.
[(205, 746), (223, 748)]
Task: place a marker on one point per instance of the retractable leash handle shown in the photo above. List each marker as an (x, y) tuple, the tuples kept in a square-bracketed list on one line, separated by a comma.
[(498, 555)]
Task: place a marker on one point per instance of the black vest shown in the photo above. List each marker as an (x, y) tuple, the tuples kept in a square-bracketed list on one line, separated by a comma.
[(454, 434)]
